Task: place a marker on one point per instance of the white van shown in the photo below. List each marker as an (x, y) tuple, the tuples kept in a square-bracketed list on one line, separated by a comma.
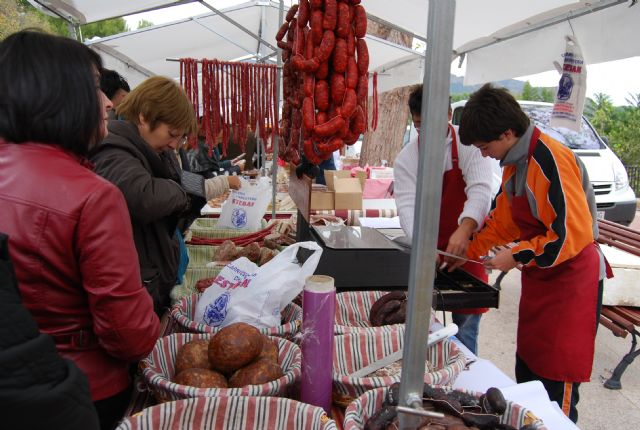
[(615, 200)]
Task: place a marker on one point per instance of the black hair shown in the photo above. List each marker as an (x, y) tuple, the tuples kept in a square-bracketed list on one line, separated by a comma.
[(48, 91), (415, 100), (488, 113), (111, 82)]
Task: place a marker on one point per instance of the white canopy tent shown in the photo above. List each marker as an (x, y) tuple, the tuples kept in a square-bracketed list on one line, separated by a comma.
[(211, 36), (604, 30), (88, 11), (603, 36)]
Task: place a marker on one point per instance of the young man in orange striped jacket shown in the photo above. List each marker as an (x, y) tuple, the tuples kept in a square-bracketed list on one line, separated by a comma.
[(547, 205)]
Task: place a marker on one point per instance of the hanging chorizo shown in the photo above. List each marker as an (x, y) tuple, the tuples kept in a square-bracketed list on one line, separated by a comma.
[(308, 116), (330, 15), (282, 31), (304, 12), (321, 95), (337, 89), (316, 26), (330, 127), (351, 79), (344, 20), (359, 21), (349, 104), (363, 56), (291, 13), (326, 46), (340, 56)]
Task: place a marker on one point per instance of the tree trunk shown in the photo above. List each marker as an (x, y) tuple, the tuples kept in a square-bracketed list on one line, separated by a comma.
[(393, 112)]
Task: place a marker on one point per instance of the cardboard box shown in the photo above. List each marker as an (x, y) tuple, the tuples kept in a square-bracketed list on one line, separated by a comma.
[(348, 193), (329, 176), (322, 200), (384, 173), (347, 190)]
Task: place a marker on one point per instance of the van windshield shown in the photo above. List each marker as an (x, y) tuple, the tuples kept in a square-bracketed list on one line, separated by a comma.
[(585, 139)]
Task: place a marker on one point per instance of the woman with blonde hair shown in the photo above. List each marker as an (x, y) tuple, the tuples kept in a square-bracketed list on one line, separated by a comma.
[(137, 157)]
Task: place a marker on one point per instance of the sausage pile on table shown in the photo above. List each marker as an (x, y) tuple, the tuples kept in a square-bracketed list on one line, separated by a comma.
[(325, 78)]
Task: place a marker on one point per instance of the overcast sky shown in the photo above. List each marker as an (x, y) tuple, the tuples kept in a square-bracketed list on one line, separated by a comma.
[(615, 78)]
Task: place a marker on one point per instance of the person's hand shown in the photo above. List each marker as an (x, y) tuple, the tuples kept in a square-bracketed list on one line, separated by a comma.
[(503, 260), (239, 163), (234, 182), (458, 244)]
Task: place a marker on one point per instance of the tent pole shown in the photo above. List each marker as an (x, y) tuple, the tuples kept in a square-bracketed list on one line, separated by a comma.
[(237, 24), (435, 98), (197, 21), (275, 137)]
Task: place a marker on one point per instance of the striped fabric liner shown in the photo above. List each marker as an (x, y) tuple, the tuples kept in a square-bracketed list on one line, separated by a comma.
[(183, 313), (352, 312), (231, 413), (206, 228), (200, 255), (158, 371), (359, 411), (191, 277), (356, 350), (352, 216)]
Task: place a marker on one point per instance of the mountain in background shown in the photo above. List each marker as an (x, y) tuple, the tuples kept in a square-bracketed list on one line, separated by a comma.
[(513, 85)]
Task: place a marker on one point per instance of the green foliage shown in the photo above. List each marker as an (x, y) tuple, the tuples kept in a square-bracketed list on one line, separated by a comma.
[(104, 28), (143, 23), (537, 94), (459, 96), (16, 15), (621, 125), (528, 92)]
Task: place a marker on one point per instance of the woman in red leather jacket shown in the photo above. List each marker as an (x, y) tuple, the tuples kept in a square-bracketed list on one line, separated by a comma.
[(69, 230)]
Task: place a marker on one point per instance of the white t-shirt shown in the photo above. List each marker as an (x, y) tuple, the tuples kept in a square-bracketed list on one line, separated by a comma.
[(482, 176)]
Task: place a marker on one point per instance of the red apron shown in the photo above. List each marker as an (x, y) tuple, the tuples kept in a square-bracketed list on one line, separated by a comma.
[(451, 206), (557, 316)]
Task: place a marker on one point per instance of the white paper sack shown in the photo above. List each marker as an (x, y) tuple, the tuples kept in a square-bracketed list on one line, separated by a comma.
[(245, 207), (572, 88), (244, 292)]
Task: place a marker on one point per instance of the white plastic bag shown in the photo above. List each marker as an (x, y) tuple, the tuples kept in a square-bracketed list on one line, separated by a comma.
[(244, 292), (245, 207), (572, 88)]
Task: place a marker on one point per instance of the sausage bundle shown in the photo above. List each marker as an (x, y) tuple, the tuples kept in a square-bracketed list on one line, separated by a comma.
[(325, 78)]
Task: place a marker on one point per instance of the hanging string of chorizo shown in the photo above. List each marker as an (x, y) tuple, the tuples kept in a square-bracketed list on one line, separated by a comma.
[(236, 98), (325, 78)]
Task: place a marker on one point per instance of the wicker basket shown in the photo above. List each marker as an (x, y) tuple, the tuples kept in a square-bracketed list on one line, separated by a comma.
[(184, 310), (158, 371), (356, 350), (359, 411), (352, 312), (192, 275), (230, 413), (206, 228)]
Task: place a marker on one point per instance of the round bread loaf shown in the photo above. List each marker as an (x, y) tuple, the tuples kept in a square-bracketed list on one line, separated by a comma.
[(194, 354), (269, 350), (258, 372), (201, 378), (234, 347)]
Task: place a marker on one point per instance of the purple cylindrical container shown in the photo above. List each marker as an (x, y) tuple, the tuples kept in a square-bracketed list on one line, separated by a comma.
[(318, 315)]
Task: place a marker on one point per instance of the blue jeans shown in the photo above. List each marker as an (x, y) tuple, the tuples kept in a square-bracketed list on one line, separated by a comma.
[(184, 258), (468, 327)]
